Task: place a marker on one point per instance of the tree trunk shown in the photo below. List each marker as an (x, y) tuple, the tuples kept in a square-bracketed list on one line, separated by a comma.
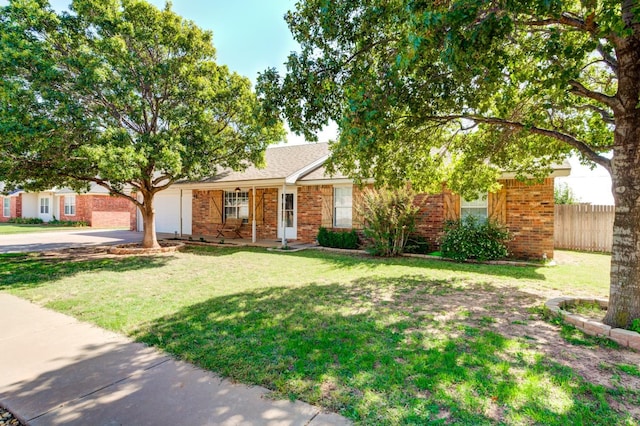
[(624, 293), (149, 239)]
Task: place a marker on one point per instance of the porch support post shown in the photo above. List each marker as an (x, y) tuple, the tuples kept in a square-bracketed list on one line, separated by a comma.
[(253, 222), (284, 223)]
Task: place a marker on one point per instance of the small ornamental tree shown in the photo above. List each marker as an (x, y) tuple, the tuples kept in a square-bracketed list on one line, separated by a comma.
[(389, 219), (563, 194), (457, 91), (121, 94)]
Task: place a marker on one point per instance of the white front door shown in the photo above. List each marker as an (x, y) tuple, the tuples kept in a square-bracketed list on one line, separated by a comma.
[(290, 205), (45, 207)]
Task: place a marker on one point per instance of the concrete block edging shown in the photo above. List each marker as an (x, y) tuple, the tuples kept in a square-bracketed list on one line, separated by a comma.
[(626, 338)]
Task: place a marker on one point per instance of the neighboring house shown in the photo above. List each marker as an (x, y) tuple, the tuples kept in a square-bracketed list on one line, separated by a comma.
[(313, 199), (96, 207)]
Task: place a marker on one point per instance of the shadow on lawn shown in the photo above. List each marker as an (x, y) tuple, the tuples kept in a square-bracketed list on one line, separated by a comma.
[(360, 349), (349, 260), (31, 269)]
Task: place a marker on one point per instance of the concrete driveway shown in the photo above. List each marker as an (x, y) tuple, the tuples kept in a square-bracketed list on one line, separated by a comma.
[(54, 240)]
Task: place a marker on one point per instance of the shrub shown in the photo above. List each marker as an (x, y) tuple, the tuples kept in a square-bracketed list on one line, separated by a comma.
[(337, 239), (389, 218), (473, 238), (635, 325), (70, 223), (26, 220), (417, 244)]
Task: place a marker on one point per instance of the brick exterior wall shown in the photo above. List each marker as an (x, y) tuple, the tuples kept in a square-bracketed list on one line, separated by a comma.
[(430, 218), (102, 211), (15, 204), (309, 212), (529, 216), (203, 221)]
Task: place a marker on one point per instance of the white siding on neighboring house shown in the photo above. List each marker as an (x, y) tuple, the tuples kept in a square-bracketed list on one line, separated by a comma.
[(29, 204)]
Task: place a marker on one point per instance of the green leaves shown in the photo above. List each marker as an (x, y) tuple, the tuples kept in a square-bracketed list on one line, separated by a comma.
[(123, 91), (423, 90)]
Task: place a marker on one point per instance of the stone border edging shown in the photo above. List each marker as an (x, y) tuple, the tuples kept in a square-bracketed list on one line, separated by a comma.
[(623, 337), (139, 250)]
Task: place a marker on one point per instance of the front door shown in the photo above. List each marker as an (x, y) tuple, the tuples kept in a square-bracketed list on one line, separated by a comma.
[(45, 207), (289, 203)]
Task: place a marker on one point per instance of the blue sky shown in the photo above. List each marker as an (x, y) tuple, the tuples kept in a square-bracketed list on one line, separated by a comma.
[(249, 35)]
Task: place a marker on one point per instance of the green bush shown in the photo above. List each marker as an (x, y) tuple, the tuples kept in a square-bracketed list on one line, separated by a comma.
[(473, 238), (417, 244), (337, 239), (635, 325), (26, 220), (70, 223), (389, 218)]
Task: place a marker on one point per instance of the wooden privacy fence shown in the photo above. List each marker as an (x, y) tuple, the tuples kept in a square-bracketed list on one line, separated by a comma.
[(584, 227)]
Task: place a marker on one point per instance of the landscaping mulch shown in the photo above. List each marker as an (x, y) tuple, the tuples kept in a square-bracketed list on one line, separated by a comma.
[(7, 419)]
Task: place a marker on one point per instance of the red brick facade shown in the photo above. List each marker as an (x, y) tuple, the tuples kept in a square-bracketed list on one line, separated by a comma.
[(15, 207), (530, 218), (102, 211), (309, 211), (528, 213)]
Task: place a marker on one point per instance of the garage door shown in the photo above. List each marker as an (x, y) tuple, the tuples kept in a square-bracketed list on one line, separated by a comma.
[(167, 206)]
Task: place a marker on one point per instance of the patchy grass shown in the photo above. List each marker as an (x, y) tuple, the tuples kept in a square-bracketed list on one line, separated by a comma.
[(381, 341)]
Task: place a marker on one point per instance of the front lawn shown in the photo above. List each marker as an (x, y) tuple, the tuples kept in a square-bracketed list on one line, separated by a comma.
[(14, 228), (381, 341)]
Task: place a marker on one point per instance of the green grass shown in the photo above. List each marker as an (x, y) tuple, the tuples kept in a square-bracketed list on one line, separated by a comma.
[(368, 338), (12, 228)]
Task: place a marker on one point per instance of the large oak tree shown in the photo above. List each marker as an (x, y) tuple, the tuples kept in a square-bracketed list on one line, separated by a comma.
[(121, 94), (457, 90)]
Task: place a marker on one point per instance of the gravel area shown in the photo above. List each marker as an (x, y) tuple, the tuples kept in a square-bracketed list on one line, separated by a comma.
[(7, 419)]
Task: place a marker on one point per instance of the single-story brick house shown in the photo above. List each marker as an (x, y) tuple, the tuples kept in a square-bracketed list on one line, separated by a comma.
[(96, 207), (313, 199)]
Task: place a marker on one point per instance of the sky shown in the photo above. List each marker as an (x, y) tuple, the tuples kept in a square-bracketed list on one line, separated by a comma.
[(251, 36)]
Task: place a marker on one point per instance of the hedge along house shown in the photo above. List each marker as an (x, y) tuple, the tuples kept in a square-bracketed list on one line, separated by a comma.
[(313, 199), (96, 207)]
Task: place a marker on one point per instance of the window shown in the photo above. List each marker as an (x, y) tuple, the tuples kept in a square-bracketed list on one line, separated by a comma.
[(69, 205), (44, 205), (6, 207), (236, 205), (477, 207), (342, 206)]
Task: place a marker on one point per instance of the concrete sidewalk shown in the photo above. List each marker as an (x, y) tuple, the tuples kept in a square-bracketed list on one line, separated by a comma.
[(56, 370)]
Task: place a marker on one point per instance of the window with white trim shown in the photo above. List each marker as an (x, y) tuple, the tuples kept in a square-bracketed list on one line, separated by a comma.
[(6, 207), (342, 206), (70, 205), (478, 207), (236, 205), (44, 205)]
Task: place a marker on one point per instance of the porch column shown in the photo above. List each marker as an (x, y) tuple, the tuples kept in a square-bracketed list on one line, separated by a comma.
[(284, 223), (253, 222)]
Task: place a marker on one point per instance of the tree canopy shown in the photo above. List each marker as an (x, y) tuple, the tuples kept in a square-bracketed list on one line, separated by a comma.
[(122, 94), (423, 89), (457, 91)]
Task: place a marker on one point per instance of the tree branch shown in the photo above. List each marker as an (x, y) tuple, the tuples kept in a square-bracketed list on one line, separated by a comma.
[(575, 143), (579, 89), (608, 58), (606, 116)]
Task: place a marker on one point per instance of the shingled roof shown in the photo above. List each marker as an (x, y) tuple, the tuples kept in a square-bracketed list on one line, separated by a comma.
[(281, 162)]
